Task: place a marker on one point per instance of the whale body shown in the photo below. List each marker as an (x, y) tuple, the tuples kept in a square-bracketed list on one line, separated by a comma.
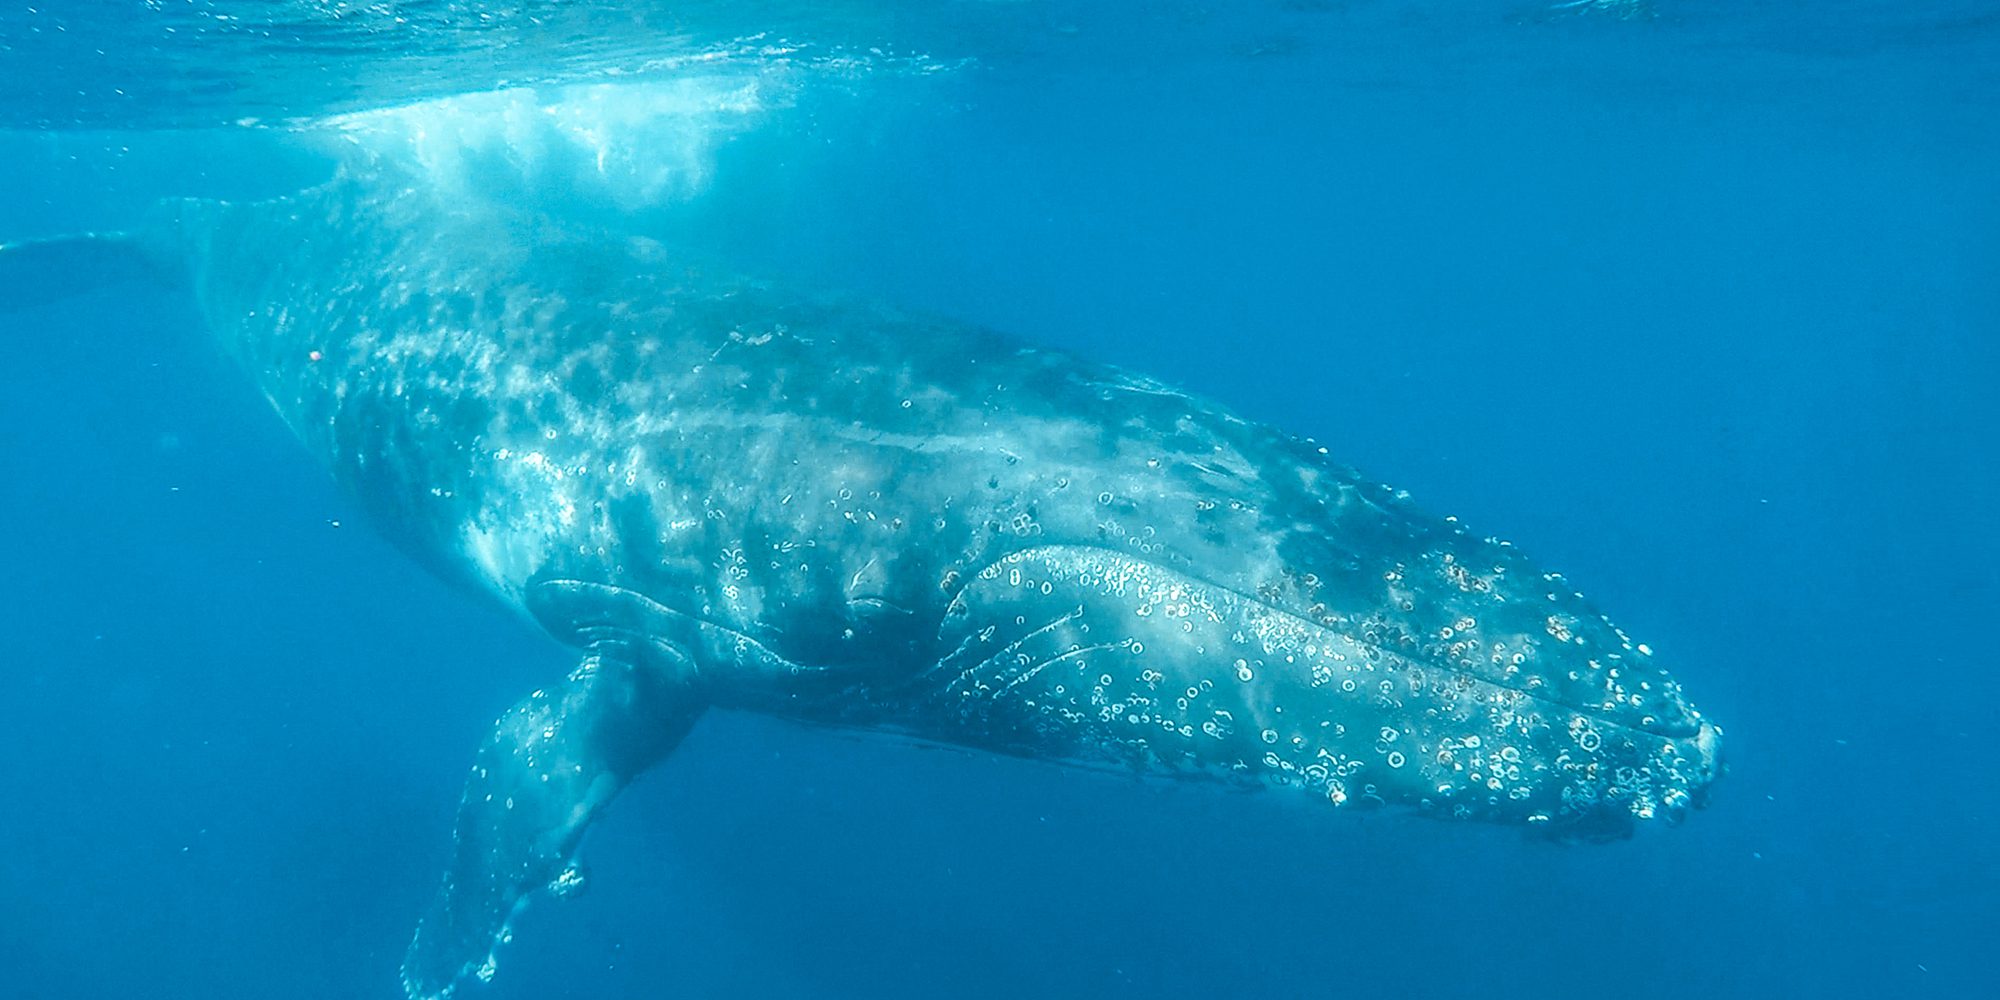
[(724, 493)]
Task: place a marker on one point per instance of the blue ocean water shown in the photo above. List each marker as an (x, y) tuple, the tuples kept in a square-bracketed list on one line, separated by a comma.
[(1696, 302)]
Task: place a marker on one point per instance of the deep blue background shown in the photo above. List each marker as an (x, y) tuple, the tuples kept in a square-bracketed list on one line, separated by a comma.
[(1705, 319)]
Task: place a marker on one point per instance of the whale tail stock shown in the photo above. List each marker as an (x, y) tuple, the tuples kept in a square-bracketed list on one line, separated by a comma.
[(37, 272)]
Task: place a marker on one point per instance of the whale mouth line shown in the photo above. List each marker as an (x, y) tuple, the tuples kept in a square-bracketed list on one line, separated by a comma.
[(1595, 713), (1660, 729)]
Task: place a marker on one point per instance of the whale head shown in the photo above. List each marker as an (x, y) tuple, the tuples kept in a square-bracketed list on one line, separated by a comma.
[(1414, 666)]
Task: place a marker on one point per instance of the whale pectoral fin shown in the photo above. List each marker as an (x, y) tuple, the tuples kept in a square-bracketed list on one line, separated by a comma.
[(553, 763)]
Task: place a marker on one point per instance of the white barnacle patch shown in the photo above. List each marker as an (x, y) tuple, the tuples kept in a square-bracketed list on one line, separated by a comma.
[(1584, 734)]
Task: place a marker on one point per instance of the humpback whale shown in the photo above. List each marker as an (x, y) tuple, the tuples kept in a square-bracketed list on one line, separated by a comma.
[(722, 493)]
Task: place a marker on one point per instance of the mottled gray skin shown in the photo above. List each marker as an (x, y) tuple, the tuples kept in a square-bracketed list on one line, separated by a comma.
[(726, 495)]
